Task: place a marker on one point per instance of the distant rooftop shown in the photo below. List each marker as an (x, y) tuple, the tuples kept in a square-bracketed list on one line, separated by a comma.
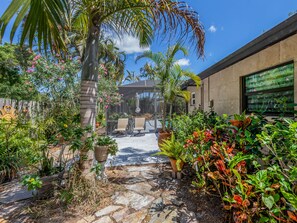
[(138, 87)]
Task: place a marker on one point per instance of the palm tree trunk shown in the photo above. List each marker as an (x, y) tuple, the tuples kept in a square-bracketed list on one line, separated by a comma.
[(170, 111), (164, 116), (88, 94)]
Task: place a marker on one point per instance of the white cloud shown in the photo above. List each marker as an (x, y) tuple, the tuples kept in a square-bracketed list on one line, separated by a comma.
[(129, 44), (212, 29), (183, 62)]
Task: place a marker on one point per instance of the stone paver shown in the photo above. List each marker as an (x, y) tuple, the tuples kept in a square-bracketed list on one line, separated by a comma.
[(121, 214), (134, 200), (107, 210), (168, 215), (104, 219), (136, 217)]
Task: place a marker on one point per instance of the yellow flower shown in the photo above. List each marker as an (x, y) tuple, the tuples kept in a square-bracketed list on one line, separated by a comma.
[(65, 126)]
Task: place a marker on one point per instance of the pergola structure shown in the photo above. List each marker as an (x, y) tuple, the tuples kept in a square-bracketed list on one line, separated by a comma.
[(141, 98)]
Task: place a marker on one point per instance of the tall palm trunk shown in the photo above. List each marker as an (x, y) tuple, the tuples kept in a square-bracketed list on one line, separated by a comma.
[(170, 110), (164, 116), (88, 93)]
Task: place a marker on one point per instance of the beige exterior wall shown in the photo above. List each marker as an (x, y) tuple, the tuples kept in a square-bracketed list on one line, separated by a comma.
[(224, 87)]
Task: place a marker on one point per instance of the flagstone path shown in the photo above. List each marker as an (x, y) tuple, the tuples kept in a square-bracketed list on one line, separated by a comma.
[(148, 198)]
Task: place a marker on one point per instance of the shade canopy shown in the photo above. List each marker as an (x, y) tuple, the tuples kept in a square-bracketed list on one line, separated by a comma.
[(130, 90)]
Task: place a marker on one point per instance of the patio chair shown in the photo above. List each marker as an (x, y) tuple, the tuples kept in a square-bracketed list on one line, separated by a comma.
[(139, 125), (122, 125)]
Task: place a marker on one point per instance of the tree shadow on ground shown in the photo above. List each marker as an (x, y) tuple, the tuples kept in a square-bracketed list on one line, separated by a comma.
[(200, 206)]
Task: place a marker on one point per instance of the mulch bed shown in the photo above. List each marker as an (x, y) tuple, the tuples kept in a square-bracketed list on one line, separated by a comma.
[(207, 207)]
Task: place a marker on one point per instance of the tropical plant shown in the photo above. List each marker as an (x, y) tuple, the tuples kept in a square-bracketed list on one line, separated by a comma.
[(108, 141), (169, 75), (131, 77), (112, 60), (16, 145), (33, 182), (55, 78), (174, 85), (252, 166), (14, 81), (108, 91), (48, 22), (173, 150)]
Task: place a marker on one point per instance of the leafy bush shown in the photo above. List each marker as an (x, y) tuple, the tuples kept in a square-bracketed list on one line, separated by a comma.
[(16, 146), (252, 164), (33, 182)]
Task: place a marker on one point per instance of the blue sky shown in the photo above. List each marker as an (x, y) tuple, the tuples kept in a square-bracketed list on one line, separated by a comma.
[(228, 24)]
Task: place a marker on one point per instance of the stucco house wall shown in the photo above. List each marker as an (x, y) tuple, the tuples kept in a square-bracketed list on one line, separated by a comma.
[(224, 88)]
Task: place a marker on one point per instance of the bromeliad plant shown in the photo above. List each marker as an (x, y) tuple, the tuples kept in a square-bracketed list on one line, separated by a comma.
[(174, 151)]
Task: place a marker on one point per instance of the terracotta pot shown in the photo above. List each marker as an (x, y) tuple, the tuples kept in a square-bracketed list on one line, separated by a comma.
[(173, 165), (101, 153), (163, 136)]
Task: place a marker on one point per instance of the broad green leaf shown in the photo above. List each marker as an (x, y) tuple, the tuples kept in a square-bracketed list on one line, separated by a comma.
[(268, 201), (291, 198)]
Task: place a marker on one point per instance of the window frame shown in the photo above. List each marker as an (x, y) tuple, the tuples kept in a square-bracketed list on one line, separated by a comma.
[(244, 94), (193, 99)]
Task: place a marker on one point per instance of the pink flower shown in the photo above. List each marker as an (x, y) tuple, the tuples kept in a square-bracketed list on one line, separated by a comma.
[(36, 57), (106, 106)]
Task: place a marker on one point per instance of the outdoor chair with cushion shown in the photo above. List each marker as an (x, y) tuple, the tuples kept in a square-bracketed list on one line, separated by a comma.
[(139, 125), (122, 126)]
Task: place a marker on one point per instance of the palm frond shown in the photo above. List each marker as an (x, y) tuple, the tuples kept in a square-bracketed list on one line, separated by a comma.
[(41, 19)]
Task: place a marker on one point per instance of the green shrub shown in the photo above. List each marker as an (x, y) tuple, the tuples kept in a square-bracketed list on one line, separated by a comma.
[(16, 147), (252, 165)]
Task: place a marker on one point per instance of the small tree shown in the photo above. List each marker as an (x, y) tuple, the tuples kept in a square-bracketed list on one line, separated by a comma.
[(169, 76)]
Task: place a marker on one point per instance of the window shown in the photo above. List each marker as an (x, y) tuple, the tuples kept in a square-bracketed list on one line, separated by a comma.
[(270, 91), (193, 97)]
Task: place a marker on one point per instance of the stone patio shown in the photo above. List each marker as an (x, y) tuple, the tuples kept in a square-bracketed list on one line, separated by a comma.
[(136, 150)]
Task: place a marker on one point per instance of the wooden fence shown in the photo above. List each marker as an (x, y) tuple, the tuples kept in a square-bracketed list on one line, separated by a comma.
[(34, 108)]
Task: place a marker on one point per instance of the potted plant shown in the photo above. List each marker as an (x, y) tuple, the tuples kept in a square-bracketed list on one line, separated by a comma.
[(174, 150), (105, 145)]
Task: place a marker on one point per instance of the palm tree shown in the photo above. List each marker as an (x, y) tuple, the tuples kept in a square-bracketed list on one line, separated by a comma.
[(174, 85), (168, 74), (131, 77), (113, 59), (48, 22)]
